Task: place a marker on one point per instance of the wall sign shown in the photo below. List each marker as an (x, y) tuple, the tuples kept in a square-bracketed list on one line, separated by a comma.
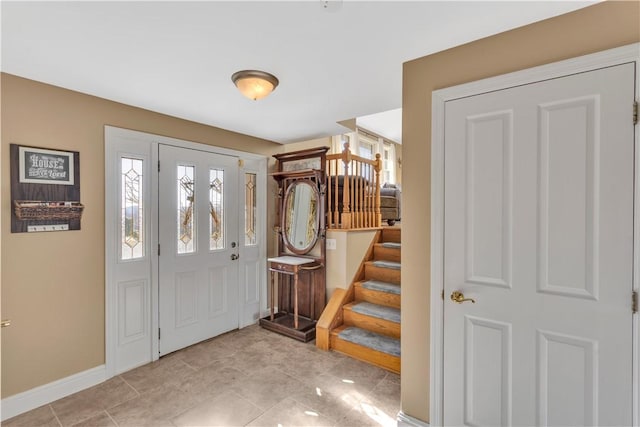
[(41, 166), (45, 189)]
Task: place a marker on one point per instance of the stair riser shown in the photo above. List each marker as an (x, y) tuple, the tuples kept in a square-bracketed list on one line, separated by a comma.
[(390, 275), (374, 324), (391, 234), (380, 359), (377, 297), (386, 254)]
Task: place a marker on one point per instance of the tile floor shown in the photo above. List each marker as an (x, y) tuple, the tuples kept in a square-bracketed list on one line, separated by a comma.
[(248, 377)]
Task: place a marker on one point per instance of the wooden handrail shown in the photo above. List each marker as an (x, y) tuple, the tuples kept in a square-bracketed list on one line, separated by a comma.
[(360, 189)]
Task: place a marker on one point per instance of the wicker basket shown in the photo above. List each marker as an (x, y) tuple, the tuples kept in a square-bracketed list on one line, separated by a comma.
[(33, 210)]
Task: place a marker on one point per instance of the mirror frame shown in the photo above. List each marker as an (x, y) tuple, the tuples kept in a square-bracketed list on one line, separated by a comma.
[(283, 218)]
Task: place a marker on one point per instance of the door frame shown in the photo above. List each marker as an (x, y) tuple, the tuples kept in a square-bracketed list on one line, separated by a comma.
[(621, 55), (115, 136)]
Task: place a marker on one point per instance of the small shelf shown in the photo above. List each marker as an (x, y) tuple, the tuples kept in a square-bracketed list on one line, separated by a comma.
[(38, 210)]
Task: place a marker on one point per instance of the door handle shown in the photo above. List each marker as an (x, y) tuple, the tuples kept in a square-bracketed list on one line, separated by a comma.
[(457, 296), (234, 257), (5, 323)]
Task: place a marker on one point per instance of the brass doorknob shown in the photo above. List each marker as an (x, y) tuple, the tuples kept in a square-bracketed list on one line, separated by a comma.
[(457, 296), (5, 323)]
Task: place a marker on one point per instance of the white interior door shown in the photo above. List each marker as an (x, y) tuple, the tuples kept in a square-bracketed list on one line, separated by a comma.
[(539, 232), (198, 236)]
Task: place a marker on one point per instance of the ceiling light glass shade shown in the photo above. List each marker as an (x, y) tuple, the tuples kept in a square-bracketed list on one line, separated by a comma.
[(254, 84)]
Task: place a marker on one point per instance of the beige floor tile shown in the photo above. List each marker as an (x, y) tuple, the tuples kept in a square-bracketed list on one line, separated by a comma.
[(203, 354), (386, 395), (268, 386), (252, 375), (291, 413), (154, 408), (101, 420), (362, 374), (373, 411), (42, 416), (228, 409), (343, 385), (90, 402), (255, 356), (164, 372), (324, 403), (211, 381), (367, 417), (238, 340), (302, 363)]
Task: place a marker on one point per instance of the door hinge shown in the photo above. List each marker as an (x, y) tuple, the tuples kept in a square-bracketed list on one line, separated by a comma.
[(158, 165), (241, 163), (634, 302), (442, 294), (158, 249), (635, 113), (158, 333)]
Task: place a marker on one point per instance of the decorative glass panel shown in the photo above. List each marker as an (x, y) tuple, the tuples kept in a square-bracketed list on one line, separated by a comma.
[(132, 214), (216, 209), (186, 209), (250, 209)]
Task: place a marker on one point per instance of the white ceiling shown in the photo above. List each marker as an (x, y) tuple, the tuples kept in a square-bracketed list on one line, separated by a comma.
[(387, 124), (177, 58)]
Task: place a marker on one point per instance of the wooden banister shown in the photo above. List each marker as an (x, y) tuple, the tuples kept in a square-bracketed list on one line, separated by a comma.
[(360, 190)]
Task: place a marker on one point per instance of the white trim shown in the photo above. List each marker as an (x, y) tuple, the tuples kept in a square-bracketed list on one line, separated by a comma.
[(405, 420), (616, 56), (437, 263), (117, 147), (36, 397), (113, 131), (155, 241), (112, 134), (260, 169)]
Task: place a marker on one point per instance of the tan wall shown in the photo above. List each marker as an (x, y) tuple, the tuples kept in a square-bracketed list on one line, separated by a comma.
[(303, 145), (599, 27), (344, 261), (53, 283)]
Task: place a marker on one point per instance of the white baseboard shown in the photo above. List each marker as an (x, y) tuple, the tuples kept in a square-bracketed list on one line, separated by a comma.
[(405, 420), (41, 395)]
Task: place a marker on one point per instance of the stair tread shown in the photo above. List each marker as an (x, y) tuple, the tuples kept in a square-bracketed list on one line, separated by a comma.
[(376, 310), (393, 245), (371, 340), (387, 264), (378, 285)]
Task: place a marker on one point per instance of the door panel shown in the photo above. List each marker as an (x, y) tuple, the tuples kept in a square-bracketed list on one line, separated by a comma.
[(487, 367), (562, 402), (488, 207), (539, 232), (198, 222), (569, 201), (218, 291)]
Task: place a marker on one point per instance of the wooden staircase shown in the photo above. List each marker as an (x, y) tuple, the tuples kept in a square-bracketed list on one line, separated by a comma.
[(364, 321)]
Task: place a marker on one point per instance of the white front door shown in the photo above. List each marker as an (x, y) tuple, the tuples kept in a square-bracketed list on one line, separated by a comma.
[(198, 236), (539, 232)]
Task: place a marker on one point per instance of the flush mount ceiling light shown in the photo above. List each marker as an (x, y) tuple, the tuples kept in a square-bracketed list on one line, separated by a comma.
[(254, 84)]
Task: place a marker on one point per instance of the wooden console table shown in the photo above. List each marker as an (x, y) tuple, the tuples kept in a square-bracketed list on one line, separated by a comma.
[(285, 322)]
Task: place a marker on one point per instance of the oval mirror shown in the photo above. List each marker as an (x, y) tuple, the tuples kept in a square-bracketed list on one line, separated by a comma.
[(300, 217)]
